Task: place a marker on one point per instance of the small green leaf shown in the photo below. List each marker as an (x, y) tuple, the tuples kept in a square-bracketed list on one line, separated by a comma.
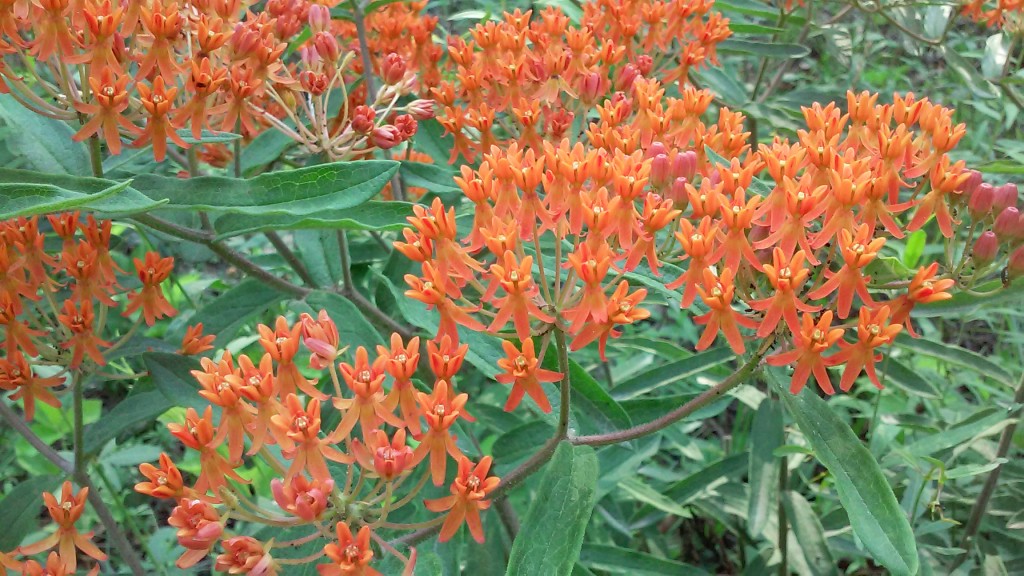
[(765, 49), (719, 471), (590, 397), (874, 512), (647, 408), (915, 248), (136, 409), (957, 356), (172, 375), (552, 532), (373, 215), (228, 312), (766, 435), (207, 137), (431, 177), (910, 381), (264, 149), (302, 192), (642, 492), (985, 420), (20, 509), (969, 72), (724, 84), (617, 560)]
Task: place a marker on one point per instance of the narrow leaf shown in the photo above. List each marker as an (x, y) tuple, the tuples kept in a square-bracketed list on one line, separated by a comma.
[(617, 560), (809, 533), (374, 215), (172, 375), (228, 312), (670, 373), (958, 356), (26, 193), (766, 435), (134, 410)]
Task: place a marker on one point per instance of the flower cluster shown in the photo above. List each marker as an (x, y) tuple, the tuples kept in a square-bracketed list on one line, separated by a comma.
[(54, 302), (350, 475), (1002, 13), (64, 543), (530, 80), (162, 71), (775, 243)]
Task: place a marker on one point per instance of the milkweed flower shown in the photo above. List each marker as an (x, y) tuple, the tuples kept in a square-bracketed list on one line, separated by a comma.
[(349, 555), (814, 338), (523, 372), (64, 513), (468, 497)]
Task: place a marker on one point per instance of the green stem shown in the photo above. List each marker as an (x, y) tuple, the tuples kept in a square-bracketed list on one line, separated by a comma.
[(346, 262), (96, 156), (290, 257), (565, 386), (78, 392), (783, 522)]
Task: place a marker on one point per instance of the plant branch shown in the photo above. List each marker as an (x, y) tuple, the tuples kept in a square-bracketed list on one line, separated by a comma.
[(290, 257), (128, 553), (718, 390)]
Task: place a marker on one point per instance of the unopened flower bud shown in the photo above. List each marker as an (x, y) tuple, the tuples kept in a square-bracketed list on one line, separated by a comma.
[(644, 64), (327, 46), (655, 149), (972, 182), (678, 193), (979, 203), (591, 87), (684, 165), (385, 137), (362, 119), (406, 125), (319, 18), (661, 173), (1007, 225), (627, 75), (1005, 197), (986, 248), (421, 109), (1015, 268), (393, 69)]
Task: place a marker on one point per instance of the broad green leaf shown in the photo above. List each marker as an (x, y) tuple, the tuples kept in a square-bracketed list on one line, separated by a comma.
[(915, 248), (20, 509), (642, 492), (725, 84), (548, 544), (373, 215), (755, 8), (353, 329), (617, 560), (979, 86), (136, 409), (319, 251), (431, 177), (647, 408), (809, 533), (766, 435), (765, 49), (172, 375), (430, 139), (521, 441), (670, 373), (228, 312), (302, 192), (957, 356), (26, 193), (1002, 167), (590, 397), (875, 514), (897, 373), (264, 149), (45, 143)]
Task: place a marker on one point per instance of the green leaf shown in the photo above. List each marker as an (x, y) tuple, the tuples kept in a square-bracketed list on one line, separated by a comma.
[(750, 28), (910, 381), (136, 409), (723, 83), (809, 533), (766, 435), (27, 193), (957, 356), (649, 408), (765, 49), (721, 470), (20, 509), (915, 248), (264, 149), (982, 421), (1002, 167), (228, 312), (875, 514), (431, 177), (172, 375), (353, 328), (430, 139), (318, 250), (670, 373), (969, 72), (965, 304), (302, 192), (374, 215), (208, 136), (591, 398), (617, 560), (642, 492), (44, 142), (552, 532)]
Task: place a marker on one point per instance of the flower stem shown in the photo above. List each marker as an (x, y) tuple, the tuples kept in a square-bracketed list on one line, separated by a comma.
[(78, 395), (565, 386), (96, 156), (783, 522)]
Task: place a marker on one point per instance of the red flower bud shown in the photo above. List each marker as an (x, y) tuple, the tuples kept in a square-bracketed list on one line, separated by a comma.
[(315, 84), (979, 203), (319, 18), (591, 87), (1015, 268), (393, 69), (661, 174), (684, 165), (421, 109), (406, 126), (327, 46), (655, 149), (644, 64), (362, 119), (627, 75), (386, 137), (1005, 197), (678, 194), (986, 248), (1007, 226)]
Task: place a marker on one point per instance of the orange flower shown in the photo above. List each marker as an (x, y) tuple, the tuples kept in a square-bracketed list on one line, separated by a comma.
[(873, 330), (923, 288), (67, 538), (321, 337), (54, 567), (17, 374), (400, 362), (297, 430), (857, 253), (440, 411), (519, 302), (194, 342), (468, 498), (446, 356), (785, 276), (198, 434), (350, 556), (282, 343), (245, 555), (368, 407), (199, 528), (809, 344), (718, 293), (220, 385), (523, 372), (152, 271), (84, 341), (304, 498), (158, 101), (106, 114), (622, 308), (164, 482), (387, 459)]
